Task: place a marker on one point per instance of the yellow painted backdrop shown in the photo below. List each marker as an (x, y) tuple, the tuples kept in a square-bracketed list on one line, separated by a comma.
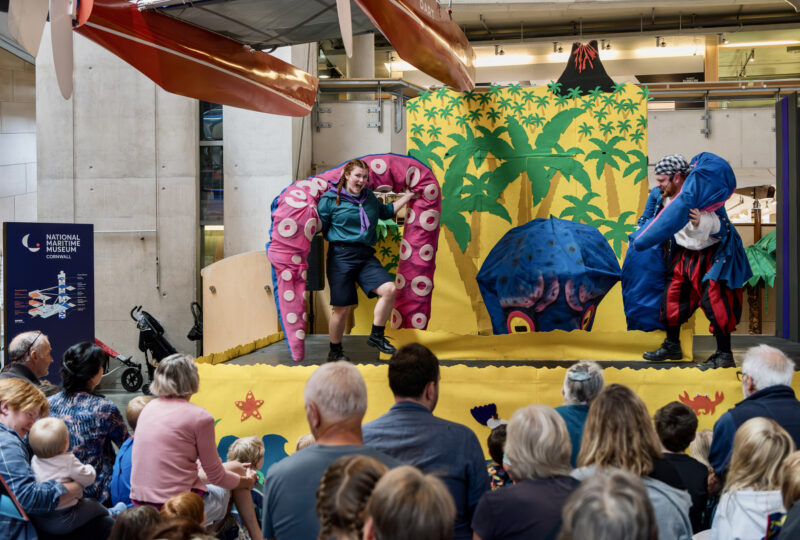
[(512, 154)]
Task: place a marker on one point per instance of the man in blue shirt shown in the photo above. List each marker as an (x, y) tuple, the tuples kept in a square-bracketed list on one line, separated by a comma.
[(411, 433), (766, 383)]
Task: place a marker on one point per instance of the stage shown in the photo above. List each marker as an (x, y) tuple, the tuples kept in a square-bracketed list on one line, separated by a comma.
[(277, 354)]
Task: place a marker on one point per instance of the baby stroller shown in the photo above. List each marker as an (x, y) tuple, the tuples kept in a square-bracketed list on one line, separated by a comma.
[(151, 342), (131, 377)]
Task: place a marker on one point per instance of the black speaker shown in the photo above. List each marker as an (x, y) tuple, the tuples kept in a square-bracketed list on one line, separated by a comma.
[(315, 277)]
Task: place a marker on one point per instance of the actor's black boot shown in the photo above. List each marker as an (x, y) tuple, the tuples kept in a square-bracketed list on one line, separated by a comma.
[(669, 350), (336, 353), (378, 340), (719, 359)]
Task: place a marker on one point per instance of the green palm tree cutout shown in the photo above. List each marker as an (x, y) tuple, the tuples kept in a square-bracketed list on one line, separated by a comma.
[(528, 96), (574, 93), (455, 100), (504, 103), (446, 112), (561, 101), (554, 87), (542, 101), (413, 106), (585, 129), (637, 136), (618, 231), (596, 93), (469, 96), (495, 90), (459, 155), (645, 93), (638, 166), (434, 132), (462, 120), (426, 152), (641, 122), (425, 97), (582, 208), (609, 101), (430, 114), (474, 115), (542, 161), (518, 108), (441, 93), (416, 129), (492, 115), (484, 98), (489, 142), (600, 115), (606, 128), (514, 89), (481, 196), (624, 126), (606, 155), (617, 88)]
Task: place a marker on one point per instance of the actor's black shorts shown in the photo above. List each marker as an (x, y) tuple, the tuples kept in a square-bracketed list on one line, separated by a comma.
[(351, 263)]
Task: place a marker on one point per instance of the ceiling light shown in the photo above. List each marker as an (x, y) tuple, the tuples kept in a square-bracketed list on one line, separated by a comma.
[(745, 45)]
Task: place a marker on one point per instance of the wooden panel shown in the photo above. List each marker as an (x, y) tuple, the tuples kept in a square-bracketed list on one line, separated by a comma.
[(239, 309)]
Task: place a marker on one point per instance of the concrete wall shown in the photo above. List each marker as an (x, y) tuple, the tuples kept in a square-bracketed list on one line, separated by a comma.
[(17, 139), (122, 154), (262, 154)]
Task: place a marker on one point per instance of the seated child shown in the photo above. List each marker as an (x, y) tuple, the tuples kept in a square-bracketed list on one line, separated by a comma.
[(498, 477), (186, 505), (676, 425), (304, 441), (250, 450), (701, 446), (121, 477), (49, 440), (135, 523)]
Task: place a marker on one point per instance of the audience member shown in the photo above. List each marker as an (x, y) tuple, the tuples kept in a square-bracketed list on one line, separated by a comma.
[(411, 433), (178, 529), (94, 422), (537, 454), (676, 425), (172, 434), (619, 434), (752, 500), (135, 523), (250, 451), (49, 440), (790, 491), (120, 487), (29, 357), (304, 441), (700, 446), (335, 401), (409, 504), (186, 505), (343, 494), (582, 383), (611, 505), (21, 404), (498, 477), (766, 383)]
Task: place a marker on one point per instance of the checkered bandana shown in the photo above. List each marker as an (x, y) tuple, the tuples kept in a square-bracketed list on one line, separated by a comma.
[(671, 165)]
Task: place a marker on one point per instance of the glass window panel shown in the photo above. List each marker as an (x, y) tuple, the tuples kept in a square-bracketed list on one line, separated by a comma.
[(210, 121), (211, 185)]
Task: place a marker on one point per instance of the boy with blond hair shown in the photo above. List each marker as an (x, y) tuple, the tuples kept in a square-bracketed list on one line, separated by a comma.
[(120, 487)]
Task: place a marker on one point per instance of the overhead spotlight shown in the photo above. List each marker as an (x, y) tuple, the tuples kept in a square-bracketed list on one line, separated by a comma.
[(722, 40), (556, 47), (498, 50), (752, 57), (605, 45), (663, 43), (608, 45)]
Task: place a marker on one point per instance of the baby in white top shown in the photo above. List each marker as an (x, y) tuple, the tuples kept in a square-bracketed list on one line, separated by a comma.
[(49, 439)]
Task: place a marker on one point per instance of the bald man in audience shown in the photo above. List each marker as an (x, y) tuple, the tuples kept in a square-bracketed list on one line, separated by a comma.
[(29, 358), (335, 402), (766, 377)]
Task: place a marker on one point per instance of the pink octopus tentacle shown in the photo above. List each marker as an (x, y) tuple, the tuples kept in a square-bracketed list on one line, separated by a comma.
[(295, 221)]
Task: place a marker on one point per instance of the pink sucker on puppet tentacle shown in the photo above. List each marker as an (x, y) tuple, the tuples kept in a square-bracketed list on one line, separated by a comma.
[(551, 296)]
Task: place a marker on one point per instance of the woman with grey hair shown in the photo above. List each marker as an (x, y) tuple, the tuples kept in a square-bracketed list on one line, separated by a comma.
[(582, 383), (172, 435), (537, 458)]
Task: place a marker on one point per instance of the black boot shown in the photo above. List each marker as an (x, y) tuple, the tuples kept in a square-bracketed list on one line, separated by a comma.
[(669, 350), (719, 359), (336, 353), (378, 340)]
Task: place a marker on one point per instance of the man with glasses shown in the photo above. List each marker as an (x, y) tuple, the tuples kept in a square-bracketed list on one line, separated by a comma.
[(28, 358), (692, 253), (766, 384)]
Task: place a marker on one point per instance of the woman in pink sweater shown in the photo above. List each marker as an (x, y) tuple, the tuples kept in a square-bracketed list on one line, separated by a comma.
[(175, 450)]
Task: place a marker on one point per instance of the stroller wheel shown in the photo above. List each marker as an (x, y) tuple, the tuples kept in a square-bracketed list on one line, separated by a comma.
[(146, 390), (132, 379)]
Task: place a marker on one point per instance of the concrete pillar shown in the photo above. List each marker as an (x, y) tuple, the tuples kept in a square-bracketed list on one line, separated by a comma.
[(263, 153), (122, 154), (362, 64)]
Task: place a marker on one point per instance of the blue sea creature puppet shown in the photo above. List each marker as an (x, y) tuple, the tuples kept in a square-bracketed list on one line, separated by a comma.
[(549, 274)]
